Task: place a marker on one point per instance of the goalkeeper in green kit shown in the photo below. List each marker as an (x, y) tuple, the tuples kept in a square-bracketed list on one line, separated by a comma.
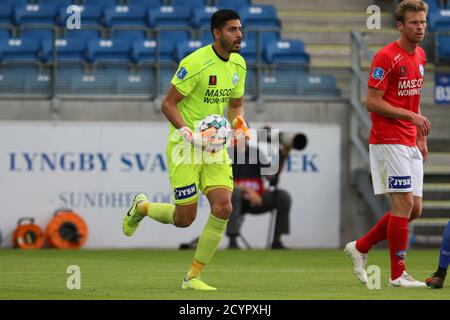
[(206, 81)]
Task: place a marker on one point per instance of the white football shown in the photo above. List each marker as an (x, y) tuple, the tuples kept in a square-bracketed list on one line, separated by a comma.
[(215, 132)]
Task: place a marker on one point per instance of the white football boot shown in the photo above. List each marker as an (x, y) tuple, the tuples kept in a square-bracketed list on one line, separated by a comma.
[(359, 261), (406, 281)]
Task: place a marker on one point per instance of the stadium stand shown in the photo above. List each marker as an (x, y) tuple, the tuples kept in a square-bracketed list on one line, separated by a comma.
[(439, 24), (152, 34)]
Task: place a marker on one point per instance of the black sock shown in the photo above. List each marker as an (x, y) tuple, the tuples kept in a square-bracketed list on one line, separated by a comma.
[(441, 272)]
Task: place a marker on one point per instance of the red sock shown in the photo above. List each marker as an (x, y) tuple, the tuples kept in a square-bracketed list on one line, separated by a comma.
[(375, 235), (397, 234)]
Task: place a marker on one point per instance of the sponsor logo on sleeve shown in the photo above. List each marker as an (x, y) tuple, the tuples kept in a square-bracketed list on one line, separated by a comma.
[(185, 192), (422, 70), (181, 74), (378, 73), (399, 182)]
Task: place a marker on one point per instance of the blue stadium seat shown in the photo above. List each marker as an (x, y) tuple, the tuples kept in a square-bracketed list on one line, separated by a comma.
[(248, 51), (318, 85), (169, 16), (262, 15), (101, 3), (125, 16), (189, 3), (67, 50), (37, 84), (260, 18), (131, 35), (438, 18), (6, 11), (266, 36), (35, 14), (91, 15), (166, 74), (286, 51), (5, 33), (174, 36), (281, 81), (19, 49), (108, 50), (136, 82), (250, 81), (206, 36), (56, 3), (145, 50), (37, 33), (85, 34), (73, 80), (183, 49), (15, 2), (201, 17), (24, 80), (443, 47), (144, 4), (233, 4)]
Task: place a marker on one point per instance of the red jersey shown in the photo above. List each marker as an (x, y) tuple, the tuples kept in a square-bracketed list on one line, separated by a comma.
[(256, 184), (400, 75)]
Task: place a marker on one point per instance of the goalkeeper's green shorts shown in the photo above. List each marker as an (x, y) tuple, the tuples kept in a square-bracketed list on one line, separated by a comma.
[(192, 170)]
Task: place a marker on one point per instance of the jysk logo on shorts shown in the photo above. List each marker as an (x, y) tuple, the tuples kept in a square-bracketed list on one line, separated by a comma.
[(182, 73), (378, 73), (403, 182), (185, 192)]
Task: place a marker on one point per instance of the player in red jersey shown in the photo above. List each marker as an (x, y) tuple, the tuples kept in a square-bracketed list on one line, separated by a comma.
[(397, 143)]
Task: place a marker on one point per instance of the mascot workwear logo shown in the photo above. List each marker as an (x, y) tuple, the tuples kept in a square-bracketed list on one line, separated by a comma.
[(185, 192), (402, 182)]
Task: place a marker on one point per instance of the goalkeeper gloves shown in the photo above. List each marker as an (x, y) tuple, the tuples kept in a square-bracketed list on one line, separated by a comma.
[(197, 140), (241, 129), (186, 133)]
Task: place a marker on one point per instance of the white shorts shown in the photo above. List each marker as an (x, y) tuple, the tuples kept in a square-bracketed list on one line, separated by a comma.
[(396, 168)]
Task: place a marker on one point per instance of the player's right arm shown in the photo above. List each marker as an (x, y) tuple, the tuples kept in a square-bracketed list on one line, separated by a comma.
[(376, 103), (169, 107), (170, 111)]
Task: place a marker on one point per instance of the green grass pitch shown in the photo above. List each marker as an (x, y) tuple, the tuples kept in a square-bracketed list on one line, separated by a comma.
[(246, 274)]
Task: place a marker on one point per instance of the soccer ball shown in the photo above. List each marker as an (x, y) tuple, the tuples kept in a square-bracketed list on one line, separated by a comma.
[(215, 132)]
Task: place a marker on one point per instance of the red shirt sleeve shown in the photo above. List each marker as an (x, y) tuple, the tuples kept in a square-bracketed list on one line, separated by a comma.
[(379, 72)]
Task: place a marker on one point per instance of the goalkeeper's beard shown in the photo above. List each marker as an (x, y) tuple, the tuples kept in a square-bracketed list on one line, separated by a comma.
[(229, 46)]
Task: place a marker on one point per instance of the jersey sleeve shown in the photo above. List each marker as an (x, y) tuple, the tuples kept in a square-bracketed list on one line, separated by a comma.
[(379, 72), (186, 77), (239, 90)]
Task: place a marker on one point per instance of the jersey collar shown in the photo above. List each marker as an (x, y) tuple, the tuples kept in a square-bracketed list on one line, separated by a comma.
[(218, 56)]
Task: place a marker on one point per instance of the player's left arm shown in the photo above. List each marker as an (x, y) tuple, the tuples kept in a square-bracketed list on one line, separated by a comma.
[(235, 108), (422, 142), (236, 117)]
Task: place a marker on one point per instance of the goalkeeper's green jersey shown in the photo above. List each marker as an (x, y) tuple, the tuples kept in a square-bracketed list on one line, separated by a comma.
[(207, 82)]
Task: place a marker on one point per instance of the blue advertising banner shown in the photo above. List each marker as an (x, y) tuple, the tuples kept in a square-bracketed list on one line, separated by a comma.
[(442, 88)]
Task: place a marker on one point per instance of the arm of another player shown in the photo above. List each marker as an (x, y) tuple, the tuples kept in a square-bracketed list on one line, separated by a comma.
[(170, 111), (422, 143), (375, 103)]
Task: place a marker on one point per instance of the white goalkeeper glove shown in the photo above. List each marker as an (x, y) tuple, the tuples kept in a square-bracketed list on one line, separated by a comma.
[(193, 138)]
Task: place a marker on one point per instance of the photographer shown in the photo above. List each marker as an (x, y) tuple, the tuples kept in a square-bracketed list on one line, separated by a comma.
[(250, 194)]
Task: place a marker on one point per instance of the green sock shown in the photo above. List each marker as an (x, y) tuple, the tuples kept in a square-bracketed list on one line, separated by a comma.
[(162, 212), (209, 239)]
